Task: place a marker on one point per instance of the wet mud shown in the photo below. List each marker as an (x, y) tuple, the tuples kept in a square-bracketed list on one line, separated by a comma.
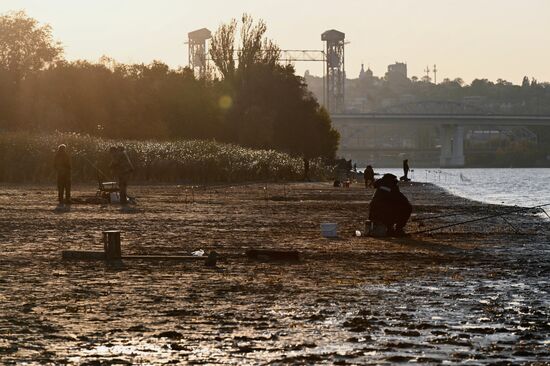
[(477, 293)]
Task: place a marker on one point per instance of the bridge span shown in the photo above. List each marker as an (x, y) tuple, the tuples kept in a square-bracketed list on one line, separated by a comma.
[(451, 128)]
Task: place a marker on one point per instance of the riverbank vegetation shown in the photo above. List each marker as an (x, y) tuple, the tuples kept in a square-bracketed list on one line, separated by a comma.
[(28, 157), (253, 102)]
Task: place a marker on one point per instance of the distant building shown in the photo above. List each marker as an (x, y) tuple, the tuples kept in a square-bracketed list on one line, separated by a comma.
[(397, 74), (362, 72), (369, 74), (397, 69), (365, 74)]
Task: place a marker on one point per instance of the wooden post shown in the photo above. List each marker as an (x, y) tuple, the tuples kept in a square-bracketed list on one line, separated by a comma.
[(212, 259), (111, 244)]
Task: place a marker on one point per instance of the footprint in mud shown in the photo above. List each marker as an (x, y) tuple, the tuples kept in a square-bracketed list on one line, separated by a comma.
[(170, 334), (404, 333), (138, 328), (399, 359)]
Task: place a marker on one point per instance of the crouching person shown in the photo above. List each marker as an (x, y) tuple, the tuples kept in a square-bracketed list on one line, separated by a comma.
[(122, 168), (389, 207)]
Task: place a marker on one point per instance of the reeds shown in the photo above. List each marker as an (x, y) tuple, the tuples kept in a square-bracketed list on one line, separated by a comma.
[(26, 157)]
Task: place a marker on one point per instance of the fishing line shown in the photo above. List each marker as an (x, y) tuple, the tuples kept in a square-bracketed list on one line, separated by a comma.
[(95, 167), (481, 218), (466, 212)]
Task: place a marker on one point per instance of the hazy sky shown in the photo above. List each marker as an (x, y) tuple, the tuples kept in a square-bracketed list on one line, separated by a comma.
[(465, 38)]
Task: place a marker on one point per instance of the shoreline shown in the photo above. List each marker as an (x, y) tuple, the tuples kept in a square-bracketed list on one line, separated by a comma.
[(473, 292)]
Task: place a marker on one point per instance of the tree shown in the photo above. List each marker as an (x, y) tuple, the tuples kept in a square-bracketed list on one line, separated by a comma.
[(222, 49), (525, 82), (25, 45), (502, 82), (272, 107), (253, 48), (459, 81)]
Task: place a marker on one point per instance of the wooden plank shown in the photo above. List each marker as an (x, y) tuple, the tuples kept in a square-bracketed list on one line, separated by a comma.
[(209, 260), (165, 257)]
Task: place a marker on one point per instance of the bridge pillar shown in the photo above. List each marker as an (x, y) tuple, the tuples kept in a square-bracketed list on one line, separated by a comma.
[(452, 146)]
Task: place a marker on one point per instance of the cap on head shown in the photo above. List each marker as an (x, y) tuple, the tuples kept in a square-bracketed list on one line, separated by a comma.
[(62, 147)]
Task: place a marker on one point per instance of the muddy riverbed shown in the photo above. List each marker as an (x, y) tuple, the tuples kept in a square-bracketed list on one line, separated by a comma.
[(477, 293)]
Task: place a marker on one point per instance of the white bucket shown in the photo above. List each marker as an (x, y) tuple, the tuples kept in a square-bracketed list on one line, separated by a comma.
[(114, 197), (329, 229)]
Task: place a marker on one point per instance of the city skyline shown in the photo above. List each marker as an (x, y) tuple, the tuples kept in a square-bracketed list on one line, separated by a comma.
[(466, 39)]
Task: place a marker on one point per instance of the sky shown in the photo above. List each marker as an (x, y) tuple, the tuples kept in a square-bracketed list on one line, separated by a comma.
[(470, 39)]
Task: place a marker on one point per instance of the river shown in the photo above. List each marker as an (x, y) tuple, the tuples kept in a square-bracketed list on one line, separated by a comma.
[(523, 187)]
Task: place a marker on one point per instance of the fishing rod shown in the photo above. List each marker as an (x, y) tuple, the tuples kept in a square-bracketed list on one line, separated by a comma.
[(95, 167), (481, 218), (439, 217), (422, 219)]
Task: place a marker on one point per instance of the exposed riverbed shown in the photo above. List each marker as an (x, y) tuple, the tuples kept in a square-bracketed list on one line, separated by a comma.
[(477, 293)]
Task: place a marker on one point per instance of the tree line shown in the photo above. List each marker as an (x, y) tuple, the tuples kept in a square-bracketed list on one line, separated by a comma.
[(251, 99)]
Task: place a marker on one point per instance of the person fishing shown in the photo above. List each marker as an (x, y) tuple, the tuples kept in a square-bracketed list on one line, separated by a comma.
[(122, 168), (369, 176), (405, 171), (62, 165), (389, 207)]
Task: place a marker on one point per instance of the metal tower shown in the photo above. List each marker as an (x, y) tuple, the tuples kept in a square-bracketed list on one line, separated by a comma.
[(335, 73), (197, 50)]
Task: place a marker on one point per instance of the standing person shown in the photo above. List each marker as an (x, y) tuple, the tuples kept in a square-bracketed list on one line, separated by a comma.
[(369, 176), (122, 167), (405, 170), (306, 170), (62, 165)]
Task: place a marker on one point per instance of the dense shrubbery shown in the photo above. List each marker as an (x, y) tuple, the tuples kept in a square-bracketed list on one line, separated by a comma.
[(29, 158)]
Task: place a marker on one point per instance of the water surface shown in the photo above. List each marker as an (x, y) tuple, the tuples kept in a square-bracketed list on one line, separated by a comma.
[(523, 187)]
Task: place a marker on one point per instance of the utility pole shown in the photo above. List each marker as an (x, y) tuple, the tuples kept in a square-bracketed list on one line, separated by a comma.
[(427, 73), (435, 74)]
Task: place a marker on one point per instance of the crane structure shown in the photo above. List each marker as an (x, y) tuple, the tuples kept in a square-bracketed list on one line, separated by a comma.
[(334, 74), (197, 47), (335, 70)]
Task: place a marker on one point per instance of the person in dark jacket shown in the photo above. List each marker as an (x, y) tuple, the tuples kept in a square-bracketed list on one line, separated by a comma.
[(369, 176), (389, 206), (406, 169), (122, 168), (62, 165)]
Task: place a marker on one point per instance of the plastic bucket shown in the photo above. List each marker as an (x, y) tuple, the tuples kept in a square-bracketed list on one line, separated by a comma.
[(329, 229), (114, 197)]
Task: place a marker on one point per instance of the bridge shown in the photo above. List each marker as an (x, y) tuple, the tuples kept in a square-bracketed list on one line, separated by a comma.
[(451, 128)]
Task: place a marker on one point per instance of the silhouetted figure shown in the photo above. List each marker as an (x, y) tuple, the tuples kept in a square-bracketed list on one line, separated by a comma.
[(389, 206), (306, 170), (62, 165), (405, 171), (369, 176), (122, 168)]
